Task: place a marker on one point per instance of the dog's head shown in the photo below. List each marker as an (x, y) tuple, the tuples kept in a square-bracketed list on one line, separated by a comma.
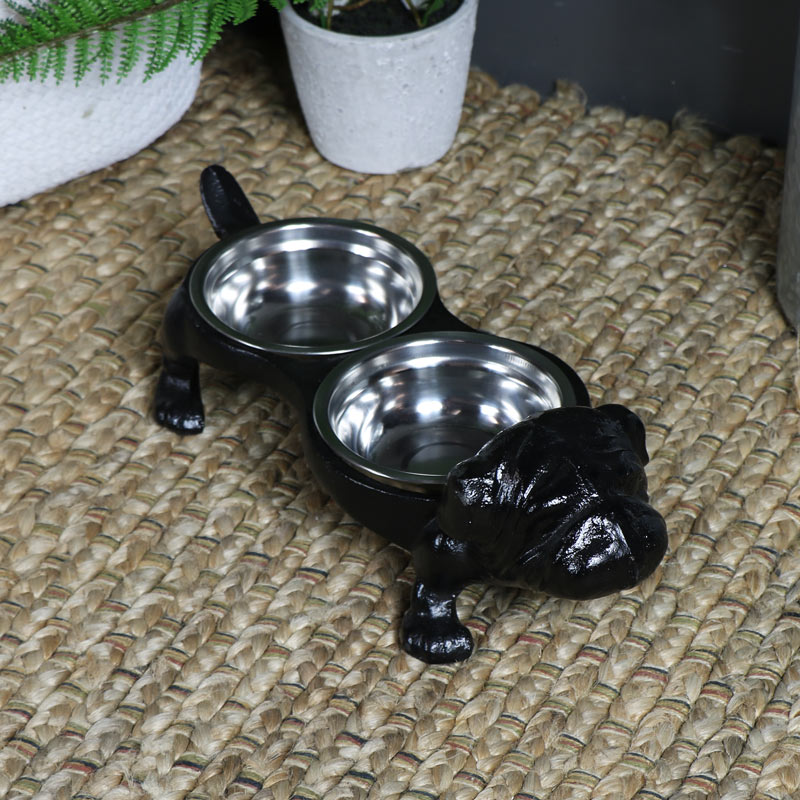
[(559, 502)]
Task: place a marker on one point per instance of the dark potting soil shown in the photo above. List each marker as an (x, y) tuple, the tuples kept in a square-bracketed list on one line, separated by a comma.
[(380, 17)]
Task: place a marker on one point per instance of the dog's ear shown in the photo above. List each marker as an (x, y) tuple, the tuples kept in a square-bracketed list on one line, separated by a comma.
[(631, 424), (605, 552)]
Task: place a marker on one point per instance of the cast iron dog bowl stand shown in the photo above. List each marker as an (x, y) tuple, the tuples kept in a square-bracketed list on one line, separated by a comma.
[(396, 398)]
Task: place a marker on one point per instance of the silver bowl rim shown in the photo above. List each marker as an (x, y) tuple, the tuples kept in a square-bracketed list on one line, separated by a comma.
[(204, 263), (420, 481)]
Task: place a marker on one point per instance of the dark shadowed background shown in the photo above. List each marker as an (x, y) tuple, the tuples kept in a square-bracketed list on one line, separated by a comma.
[(731, 61)]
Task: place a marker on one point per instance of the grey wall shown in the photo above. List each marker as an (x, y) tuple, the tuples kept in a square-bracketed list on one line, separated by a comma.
[(731, 61)]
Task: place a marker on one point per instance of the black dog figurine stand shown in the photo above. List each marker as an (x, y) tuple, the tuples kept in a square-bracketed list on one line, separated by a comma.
[(557, 503)]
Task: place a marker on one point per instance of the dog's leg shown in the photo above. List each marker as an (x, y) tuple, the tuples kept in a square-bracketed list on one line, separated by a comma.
[(431, 631), (178, 404)]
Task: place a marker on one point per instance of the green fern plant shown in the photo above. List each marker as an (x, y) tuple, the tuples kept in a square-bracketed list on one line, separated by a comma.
[(74, 36)]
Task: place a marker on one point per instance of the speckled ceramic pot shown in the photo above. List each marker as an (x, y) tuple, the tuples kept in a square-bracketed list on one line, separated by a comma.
[(382, 104)]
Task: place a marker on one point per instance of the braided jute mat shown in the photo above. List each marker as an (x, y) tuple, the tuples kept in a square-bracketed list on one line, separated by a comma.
[(193, 618)]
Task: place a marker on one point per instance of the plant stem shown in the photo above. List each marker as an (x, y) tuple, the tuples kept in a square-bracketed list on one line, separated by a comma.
[(414, 13), (354, 5), (329, 15)]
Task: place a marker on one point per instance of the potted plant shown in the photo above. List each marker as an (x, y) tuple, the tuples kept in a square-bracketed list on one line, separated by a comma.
[(377, 101), (373, 102), (85, 84)]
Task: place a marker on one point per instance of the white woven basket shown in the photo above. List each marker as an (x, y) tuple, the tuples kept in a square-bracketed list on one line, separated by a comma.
[(51, 133)]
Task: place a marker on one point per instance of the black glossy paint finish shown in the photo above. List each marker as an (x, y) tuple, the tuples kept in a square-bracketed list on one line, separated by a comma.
[(557, 503), (226, 205)]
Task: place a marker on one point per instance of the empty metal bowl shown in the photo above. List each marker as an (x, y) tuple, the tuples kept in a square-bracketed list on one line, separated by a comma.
[(405, 412), (312, 286)]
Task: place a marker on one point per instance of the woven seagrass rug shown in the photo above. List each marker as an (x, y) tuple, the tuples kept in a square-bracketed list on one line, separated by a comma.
[(192, 617)]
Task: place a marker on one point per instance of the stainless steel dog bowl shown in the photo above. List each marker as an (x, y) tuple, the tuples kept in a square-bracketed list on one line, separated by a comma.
[(405, 412), (312, 286)]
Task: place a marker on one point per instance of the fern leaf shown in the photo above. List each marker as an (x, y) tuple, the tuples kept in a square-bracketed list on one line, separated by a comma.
[(47, 36), (15, 35), (60, 62), (66, 18), (11, 39), (160, 37), (47, 63), (32, 64), (236, 8), (172, 27), (106, 47), (82, 56), (433, 6), (20, 9), (243, 10), (42, 28), (217, 15), (194, 16), (130, 48), (27, 10), (17, 67), (187, 23), (86, 12), (98, 12), (155, 44)]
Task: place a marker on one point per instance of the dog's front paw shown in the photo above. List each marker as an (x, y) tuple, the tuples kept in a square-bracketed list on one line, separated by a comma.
[(177, 403), (435, 640)]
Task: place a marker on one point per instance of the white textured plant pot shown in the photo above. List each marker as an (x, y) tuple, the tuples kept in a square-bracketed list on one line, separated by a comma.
[(381, 103), (50, 133)]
